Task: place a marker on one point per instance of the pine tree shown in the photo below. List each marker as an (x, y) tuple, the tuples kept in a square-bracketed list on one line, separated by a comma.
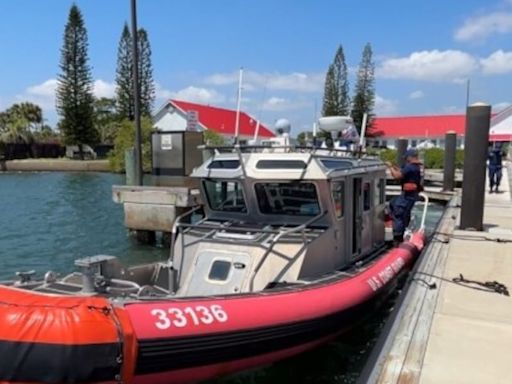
[(124, 76), (330, 104), (364, 97), (336, 98), (147, 85), (74, 89)]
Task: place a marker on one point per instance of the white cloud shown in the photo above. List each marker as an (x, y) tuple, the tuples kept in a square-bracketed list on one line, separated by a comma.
[(296, 81), (498, 107), (103, 88), (45, 89), (435, 65), (385, 106), (498, 62), (193, 94), (42, 94), (416, 95), (481, 27)]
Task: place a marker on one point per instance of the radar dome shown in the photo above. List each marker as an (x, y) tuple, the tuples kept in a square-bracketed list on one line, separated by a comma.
[(282, 126), (335, 123)]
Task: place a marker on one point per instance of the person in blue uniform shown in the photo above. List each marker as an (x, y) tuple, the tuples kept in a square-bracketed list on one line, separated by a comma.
[(401, 206), (494, 167)]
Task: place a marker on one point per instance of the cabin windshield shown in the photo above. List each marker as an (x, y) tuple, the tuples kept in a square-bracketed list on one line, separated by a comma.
[(287, 199), (225, 196)]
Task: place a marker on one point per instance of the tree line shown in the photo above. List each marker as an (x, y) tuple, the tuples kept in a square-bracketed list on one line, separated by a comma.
[(85, 119)]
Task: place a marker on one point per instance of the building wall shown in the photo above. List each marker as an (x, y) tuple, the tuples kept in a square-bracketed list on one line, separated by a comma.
[(390, 142), (170, 121)]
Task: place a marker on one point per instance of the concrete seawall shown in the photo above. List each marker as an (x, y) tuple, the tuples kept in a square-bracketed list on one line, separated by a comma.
[(55, 165)]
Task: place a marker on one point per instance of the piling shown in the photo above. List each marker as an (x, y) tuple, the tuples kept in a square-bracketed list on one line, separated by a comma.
[(478, 119), (449, 161), (130, 166), (401, 147)]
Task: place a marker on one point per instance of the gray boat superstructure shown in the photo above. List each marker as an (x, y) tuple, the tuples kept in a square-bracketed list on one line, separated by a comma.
[(275, 217)]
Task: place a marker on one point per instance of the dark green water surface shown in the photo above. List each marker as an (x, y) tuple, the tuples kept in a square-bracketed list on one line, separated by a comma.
[(47, 220)]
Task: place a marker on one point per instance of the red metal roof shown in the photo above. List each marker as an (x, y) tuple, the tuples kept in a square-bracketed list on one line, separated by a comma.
[(223, 120), (419, 126)]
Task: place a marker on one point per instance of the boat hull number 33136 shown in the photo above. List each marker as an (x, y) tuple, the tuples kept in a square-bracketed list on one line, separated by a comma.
[(182, 317)]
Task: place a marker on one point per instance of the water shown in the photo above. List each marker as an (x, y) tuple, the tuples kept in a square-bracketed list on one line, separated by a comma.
[(47, 220)]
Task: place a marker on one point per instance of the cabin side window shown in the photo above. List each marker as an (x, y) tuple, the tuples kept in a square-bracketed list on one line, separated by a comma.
[(338, 198), (298, 199), (367, 196), (379, 194), (224, 195)]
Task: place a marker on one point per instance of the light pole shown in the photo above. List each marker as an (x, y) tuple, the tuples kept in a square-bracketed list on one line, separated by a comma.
[(136, 97)]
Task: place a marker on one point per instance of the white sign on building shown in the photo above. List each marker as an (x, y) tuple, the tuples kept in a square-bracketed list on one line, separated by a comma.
[(166, 142), (192, 121)]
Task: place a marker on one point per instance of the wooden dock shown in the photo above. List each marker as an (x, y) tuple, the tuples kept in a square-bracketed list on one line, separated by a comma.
[(453, 333)]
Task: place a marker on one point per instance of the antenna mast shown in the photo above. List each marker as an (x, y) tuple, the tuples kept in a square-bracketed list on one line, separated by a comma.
[(239, 100)]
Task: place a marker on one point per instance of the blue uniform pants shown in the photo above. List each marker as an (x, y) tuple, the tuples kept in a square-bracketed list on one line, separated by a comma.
[(401, 208), (494, 176)]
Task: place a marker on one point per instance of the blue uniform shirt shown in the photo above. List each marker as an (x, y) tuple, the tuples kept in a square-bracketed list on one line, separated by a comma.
[(411, 173), (495, 157)]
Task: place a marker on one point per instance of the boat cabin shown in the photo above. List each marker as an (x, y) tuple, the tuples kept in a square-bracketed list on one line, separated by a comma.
[(277, 218)]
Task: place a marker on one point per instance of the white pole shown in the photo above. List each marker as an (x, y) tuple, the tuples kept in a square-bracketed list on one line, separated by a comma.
[(238, 102), (363, 131), (256, 131)]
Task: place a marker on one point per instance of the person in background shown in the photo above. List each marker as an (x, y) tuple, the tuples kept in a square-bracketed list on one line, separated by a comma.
[(495, 158), (410, 180)]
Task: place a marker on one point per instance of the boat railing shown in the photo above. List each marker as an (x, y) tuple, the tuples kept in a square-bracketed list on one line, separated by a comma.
[(288, 149), (299, 228), (278, 232), (425, 209)]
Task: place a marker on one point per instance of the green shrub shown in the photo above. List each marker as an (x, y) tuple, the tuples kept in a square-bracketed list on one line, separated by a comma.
[(459, 158), (388, 155), (125, 139), (433, 158)]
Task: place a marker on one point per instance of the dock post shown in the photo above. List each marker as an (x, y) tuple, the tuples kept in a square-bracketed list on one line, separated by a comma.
[(401, 147), (129, 166), (450, 148), (478, 119)]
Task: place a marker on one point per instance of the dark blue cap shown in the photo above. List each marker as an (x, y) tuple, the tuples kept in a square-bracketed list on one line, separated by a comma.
[(410, 153)]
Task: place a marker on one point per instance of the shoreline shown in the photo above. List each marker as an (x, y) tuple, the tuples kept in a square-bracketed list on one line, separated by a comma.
[(54, 165)]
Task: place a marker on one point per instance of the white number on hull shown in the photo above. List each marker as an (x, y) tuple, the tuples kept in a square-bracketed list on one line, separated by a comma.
[(180, 318)]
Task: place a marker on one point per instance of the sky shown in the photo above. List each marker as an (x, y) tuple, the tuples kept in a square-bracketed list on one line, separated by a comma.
[(424, 52)]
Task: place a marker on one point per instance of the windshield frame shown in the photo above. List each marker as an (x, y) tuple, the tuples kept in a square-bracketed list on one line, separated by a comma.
[(240, 193)]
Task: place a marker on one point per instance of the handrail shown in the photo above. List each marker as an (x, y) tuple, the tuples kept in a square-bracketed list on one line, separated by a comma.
[(175, 225), (278, 237), (312, 149), (425, 208)]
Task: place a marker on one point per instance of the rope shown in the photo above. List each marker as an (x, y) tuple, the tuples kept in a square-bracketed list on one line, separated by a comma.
[(487, 286)]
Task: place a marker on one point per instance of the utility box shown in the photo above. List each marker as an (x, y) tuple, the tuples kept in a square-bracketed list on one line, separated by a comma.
[(175, 155)]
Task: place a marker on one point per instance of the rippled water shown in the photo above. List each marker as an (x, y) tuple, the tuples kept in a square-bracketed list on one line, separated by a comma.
[(49, 219)]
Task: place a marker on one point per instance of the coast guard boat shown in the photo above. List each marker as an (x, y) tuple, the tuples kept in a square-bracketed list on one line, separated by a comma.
[(289, 253)]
